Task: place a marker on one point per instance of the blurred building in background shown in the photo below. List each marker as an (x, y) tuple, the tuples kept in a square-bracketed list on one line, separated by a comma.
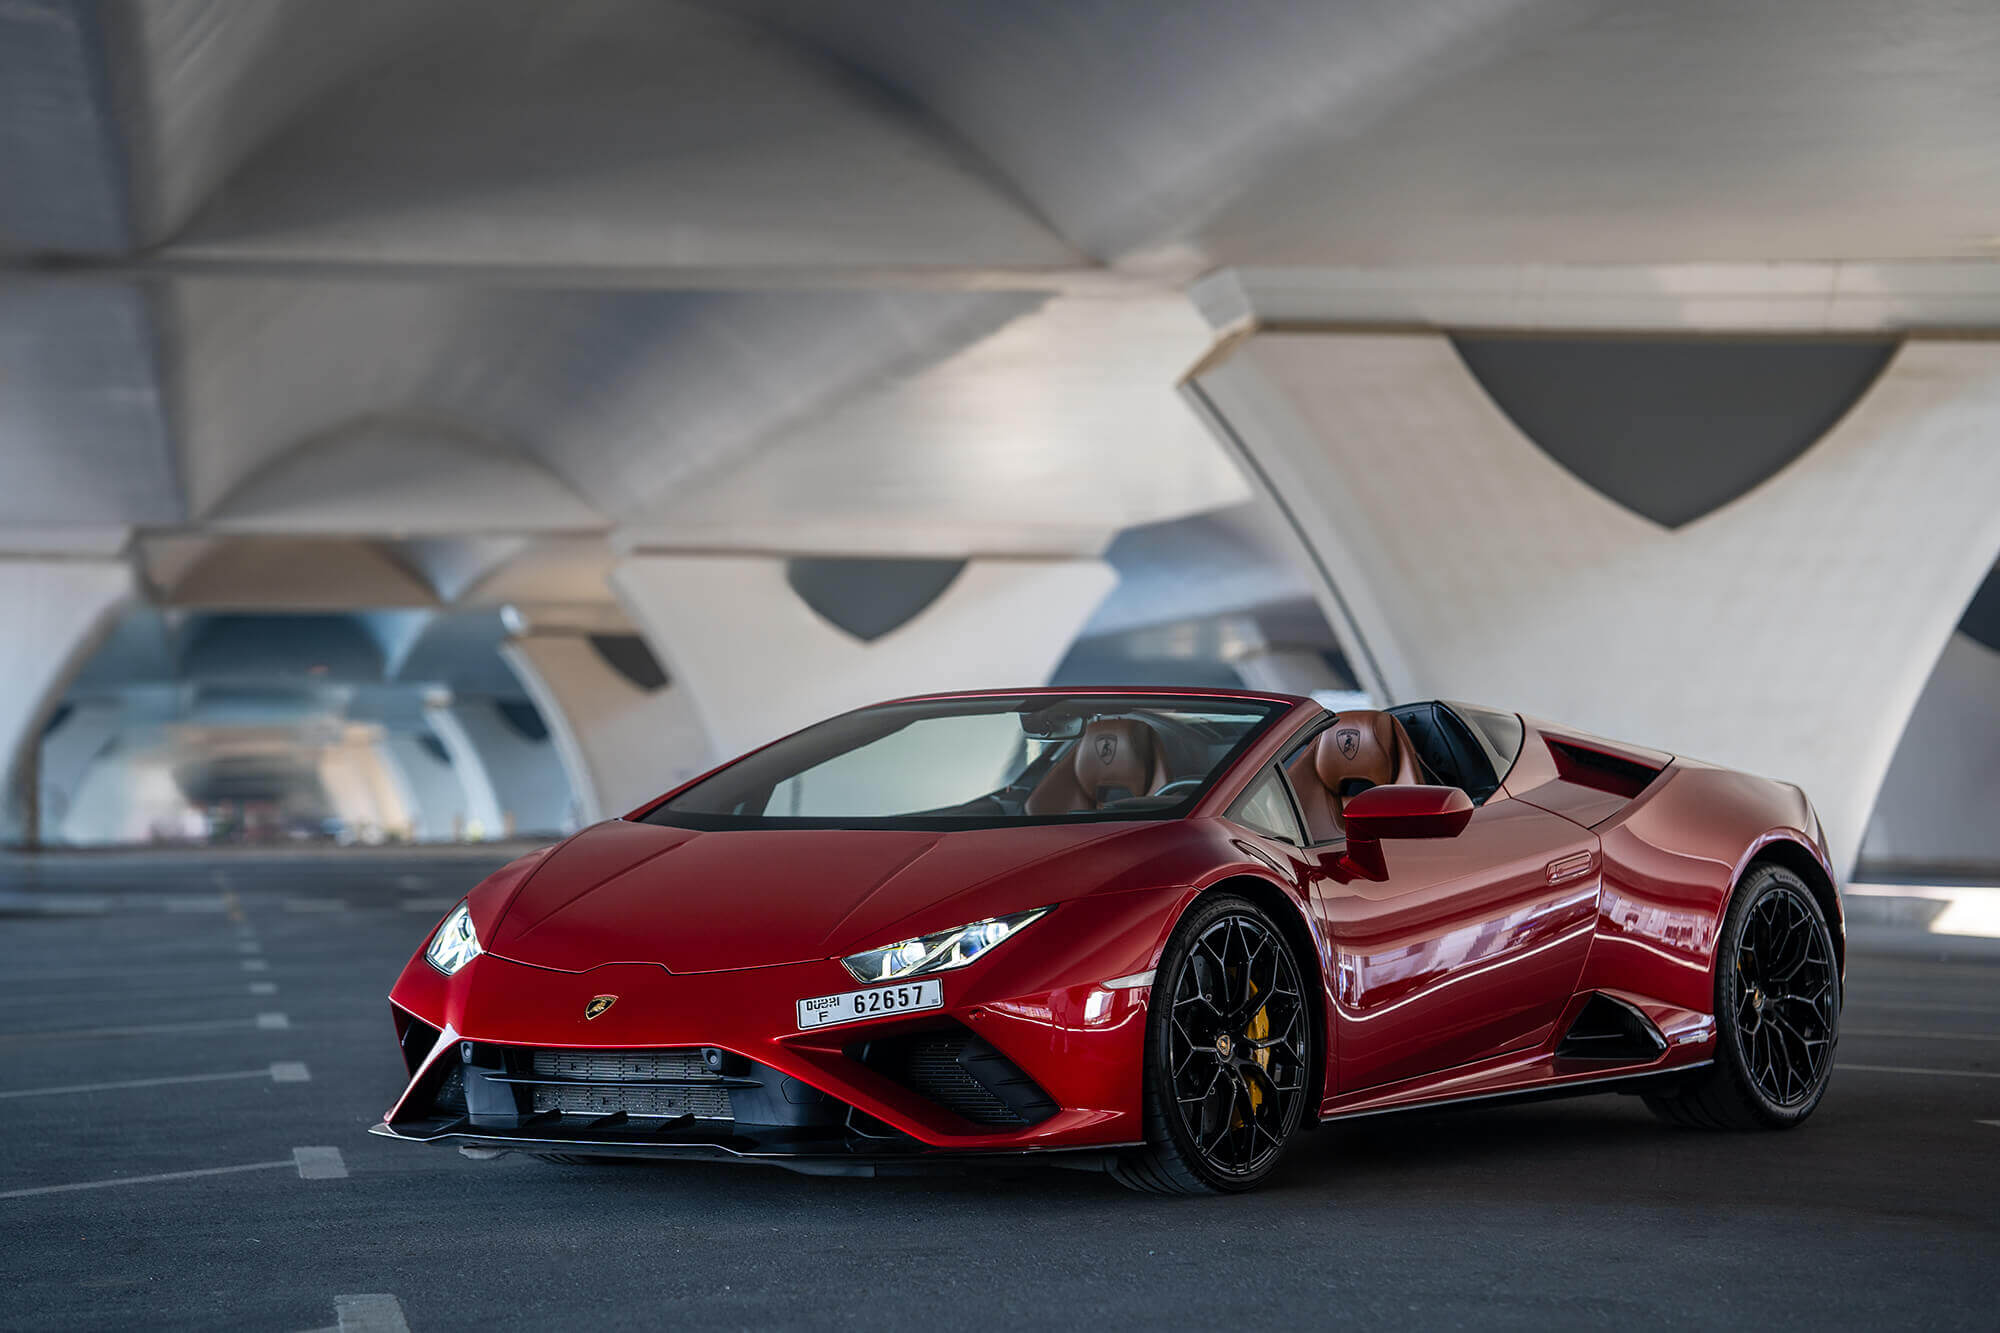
[(445, 419)]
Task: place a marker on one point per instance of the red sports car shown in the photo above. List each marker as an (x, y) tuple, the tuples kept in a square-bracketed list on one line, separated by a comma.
[(1154, 932)]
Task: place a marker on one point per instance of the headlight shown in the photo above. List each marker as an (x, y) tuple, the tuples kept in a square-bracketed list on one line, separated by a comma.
[(455, 944), (937, 953)]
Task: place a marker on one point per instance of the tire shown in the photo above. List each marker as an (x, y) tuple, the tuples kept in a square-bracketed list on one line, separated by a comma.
[(1249, 1059), (1777, 1013)]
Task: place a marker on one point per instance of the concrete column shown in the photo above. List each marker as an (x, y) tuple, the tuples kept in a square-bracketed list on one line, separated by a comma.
[(621, 744), (757, 662), (67, 754), (437, 797), (55, 612), (481, 809), (1939, 810), (526, 775), (1788, 632)]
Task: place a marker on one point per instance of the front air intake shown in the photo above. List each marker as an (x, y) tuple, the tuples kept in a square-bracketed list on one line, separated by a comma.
[(964, 1075)]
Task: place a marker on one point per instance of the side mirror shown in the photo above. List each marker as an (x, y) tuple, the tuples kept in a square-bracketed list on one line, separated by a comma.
[(1398, 812), (1406, 812)]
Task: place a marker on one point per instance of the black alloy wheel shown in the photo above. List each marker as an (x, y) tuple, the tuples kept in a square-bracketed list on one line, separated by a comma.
[(1229, 1049), (1777, 1011)]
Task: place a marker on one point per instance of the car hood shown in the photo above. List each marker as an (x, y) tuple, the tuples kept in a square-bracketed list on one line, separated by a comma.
[(623, 892)]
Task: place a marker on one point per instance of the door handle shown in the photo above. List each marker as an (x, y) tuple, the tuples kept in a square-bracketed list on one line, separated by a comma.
[(1572, 867)]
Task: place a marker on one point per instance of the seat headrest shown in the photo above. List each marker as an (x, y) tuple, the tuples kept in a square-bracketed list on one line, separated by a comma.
[(1114, 759), (1368, 745)]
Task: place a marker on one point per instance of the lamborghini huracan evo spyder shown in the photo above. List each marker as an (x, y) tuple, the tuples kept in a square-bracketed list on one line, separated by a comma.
[(1159, 933)]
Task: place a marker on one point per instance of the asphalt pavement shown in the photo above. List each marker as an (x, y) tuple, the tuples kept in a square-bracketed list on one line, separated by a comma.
[(192, 1050)]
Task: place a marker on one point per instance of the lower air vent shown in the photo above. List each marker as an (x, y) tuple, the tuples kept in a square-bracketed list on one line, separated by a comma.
[(964, 1075), (1613, 1030), (450, 1096)]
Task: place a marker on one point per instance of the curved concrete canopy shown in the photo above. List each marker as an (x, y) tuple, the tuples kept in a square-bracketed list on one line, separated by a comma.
[(1046, 436), (286, 573), (82, 427), (532, 117), (391, 476), (624, 396)]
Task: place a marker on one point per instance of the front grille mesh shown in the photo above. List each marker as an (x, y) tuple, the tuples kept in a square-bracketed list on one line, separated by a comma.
[(607, 1082), (621, 1066)]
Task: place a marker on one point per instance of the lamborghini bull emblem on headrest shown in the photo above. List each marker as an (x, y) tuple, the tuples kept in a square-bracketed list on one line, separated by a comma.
[(1349, 741), (598, 1004), (1106, 747)]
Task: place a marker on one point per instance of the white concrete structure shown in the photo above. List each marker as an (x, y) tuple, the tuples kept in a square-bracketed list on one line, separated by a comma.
[(54, 611), (620, 744), (445, 304), (436, 793), (1789, 632), (758, 662), (1941, 799)]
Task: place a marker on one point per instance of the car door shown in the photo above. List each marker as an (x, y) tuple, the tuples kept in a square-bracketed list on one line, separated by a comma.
[(1464, 947)]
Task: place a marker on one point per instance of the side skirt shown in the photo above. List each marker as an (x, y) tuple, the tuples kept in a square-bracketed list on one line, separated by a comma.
[(1583, 1087)]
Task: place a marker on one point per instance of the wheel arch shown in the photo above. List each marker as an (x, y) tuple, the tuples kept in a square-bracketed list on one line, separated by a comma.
[(1283, 906), (1787, 853)]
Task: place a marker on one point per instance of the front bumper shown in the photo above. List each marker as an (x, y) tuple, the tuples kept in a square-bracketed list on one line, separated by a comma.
[(1064, 1053)]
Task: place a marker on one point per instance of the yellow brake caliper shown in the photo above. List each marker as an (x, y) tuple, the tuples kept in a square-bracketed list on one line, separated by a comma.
[(1260, 1028)]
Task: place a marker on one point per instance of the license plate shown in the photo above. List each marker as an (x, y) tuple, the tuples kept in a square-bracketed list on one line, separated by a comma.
[(876, 1002)]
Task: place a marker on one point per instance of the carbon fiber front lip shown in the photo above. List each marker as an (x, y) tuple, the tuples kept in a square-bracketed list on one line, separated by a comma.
[(816, 1153)]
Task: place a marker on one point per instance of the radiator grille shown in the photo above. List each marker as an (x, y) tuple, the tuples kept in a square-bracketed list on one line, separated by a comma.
[(622, 1066), (598, 1083)]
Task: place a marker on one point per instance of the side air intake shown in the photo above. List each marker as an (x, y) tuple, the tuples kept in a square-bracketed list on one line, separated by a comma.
[(1599, 771), (1611, 1031)]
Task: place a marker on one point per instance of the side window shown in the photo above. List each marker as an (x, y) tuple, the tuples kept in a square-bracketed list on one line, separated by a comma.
[(1498, 733), (1263, 806)]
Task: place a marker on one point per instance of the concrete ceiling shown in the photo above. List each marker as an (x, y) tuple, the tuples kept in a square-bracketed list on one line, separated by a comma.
[(471, 283)]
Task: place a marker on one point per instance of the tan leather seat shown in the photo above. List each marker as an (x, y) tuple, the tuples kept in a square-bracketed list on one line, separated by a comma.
[(1114, 759), (1361, 744)]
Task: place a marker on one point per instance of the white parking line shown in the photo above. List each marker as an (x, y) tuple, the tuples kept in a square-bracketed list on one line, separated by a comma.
[(319, 1163), (266, 1021), (1912, 1004), (102, 973), (263, 988), (144, 1180), (249, 946), (1995, 1123), (1939, 1073), (54, 904), (377, 1312), (255, 965), (1920, 1036), (187, 902), (288, 1071)]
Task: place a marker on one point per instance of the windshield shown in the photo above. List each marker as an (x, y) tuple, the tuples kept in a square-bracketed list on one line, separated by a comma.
[(978, 763)]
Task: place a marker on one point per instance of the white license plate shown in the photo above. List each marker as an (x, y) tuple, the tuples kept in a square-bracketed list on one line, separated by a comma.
[(876, 1002)]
